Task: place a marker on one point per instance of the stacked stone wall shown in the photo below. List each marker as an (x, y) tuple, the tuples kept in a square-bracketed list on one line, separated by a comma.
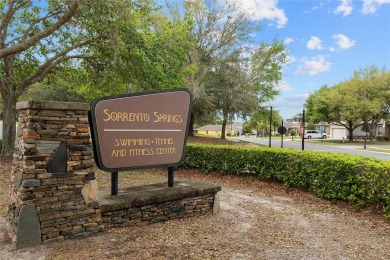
[(159, 212), (53, 178)]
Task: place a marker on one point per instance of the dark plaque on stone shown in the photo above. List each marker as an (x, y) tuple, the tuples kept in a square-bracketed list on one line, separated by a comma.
[(140, 130)]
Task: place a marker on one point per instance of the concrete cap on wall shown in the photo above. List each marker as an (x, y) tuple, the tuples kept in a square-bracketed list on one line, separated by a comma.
[(55, 105)]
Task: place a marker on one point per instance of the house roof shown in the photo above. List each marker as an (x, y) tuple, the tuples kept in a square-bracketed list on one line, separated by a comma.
[(295, 124), (236, 127), (210, 128)]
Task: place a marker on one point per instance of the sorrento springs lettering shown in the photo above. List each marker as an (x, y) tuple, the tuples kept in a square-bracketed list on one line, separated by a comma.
[(157, 117)]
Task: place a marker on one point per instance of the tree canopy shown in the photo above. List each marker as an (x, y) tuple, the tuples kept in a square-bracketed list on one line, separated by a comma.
[(232, 77), (260, 121), (239, 83), (94, 47), (364, 98)]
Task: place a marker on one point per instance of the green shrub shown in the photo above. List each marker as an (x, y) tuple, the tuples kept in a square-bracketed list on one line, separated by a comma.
[(352, 178), (383, 138)]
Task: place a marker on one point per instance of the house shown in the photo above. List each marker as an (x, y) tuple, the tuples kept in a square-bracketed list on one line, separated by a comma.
[(340, 132), (337, 131), (233, 129), (294, 124)]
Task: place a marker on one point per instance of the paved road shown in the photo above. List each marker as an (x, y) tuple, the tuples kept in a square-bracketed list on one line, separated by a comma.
[(297, 144)]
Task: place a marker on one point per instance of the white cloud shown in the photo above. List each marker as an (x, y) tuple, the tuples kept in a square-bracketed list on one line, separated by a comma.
[(290, 59), (298, 97), (264, 10), (313, 66), (371, 6), (345, 7), (314, 43), (343, 41), (290, 105), (320, 4), (283, 86), (288, 40)]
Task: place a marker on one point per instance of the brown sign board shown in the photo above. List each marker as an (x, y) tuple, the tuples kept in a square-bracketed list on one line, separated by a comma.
[(140, 130)]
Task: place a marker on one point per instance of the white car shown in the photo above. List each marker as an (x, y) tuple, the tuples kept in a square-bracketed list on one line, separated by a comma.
[(309, 134)]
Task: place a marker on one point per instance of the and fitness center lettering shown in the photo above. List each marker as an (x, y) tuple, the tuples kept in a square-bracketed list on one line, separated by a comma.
[(142, 146), (145, 150)]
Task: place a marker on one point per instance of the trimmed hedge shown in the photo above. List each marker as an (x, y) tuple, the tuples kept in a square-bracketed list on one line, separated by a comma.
[(357, 179), (383, 138)]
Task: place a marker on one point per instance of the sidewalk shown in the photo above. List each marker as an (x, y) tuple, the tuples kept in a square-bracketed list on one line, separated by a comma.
[(357, 145)]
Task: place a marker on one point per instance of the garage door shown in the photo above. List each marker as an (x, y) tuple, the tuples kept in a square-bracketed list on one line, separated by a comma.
[(338, 133)]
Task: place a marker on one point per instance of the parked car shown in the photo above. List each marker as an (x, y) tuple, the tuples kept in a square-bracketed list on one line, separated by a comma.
[(309, 134)]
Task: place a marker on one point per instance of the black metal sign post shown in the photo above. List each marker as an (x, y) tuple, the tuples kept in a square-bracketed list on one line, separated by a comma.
[(282, 134), (171, 177), (270, 128), (114, 183), (303, 133), (282, 130)]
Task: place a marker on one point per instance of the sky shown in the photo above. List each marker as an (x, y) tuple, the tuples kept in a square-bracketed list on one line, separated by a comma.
[(328, 40)]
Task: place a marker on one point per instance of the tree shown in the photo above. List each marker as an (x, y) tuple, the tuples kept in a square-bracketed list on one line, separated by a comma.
[(363, 98), (240, 84), (336, 106), (371, 87), (44, 91), (150, 54), (30, 34), (224, 87), (310, 126), (219, 29), (77, 41), (317, 105), (260, 120)]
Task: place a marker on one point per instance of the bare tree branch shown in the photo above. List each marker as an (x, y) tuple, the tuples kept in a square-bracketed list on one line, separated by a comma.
[(50, 68), (37, 37), (51, 63)]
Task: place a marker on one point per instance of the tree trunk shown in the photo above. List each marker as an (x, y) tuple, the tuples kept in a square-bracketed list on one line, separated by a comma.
[(223, 134), (350, 130), (371, 135), (224, 122), (9, 125), (191, 125)]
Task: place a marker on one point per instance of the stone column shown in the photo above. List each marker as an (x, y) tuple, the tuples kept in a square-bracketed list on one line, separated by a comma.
[(54, 192)]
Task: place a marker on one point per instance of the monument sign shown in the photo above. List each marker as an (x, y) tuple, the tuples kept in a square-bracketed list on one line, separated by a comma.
[(140, 130)]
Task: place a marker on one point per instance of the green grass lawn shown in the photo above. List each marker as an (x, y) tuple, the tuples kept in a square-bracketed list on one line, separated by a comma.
[(376, 149), (347, 142)]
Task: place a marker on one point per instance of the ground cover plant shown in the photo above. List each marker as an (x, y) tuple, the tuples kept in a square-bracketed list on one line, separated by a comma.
[(355, 179)]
